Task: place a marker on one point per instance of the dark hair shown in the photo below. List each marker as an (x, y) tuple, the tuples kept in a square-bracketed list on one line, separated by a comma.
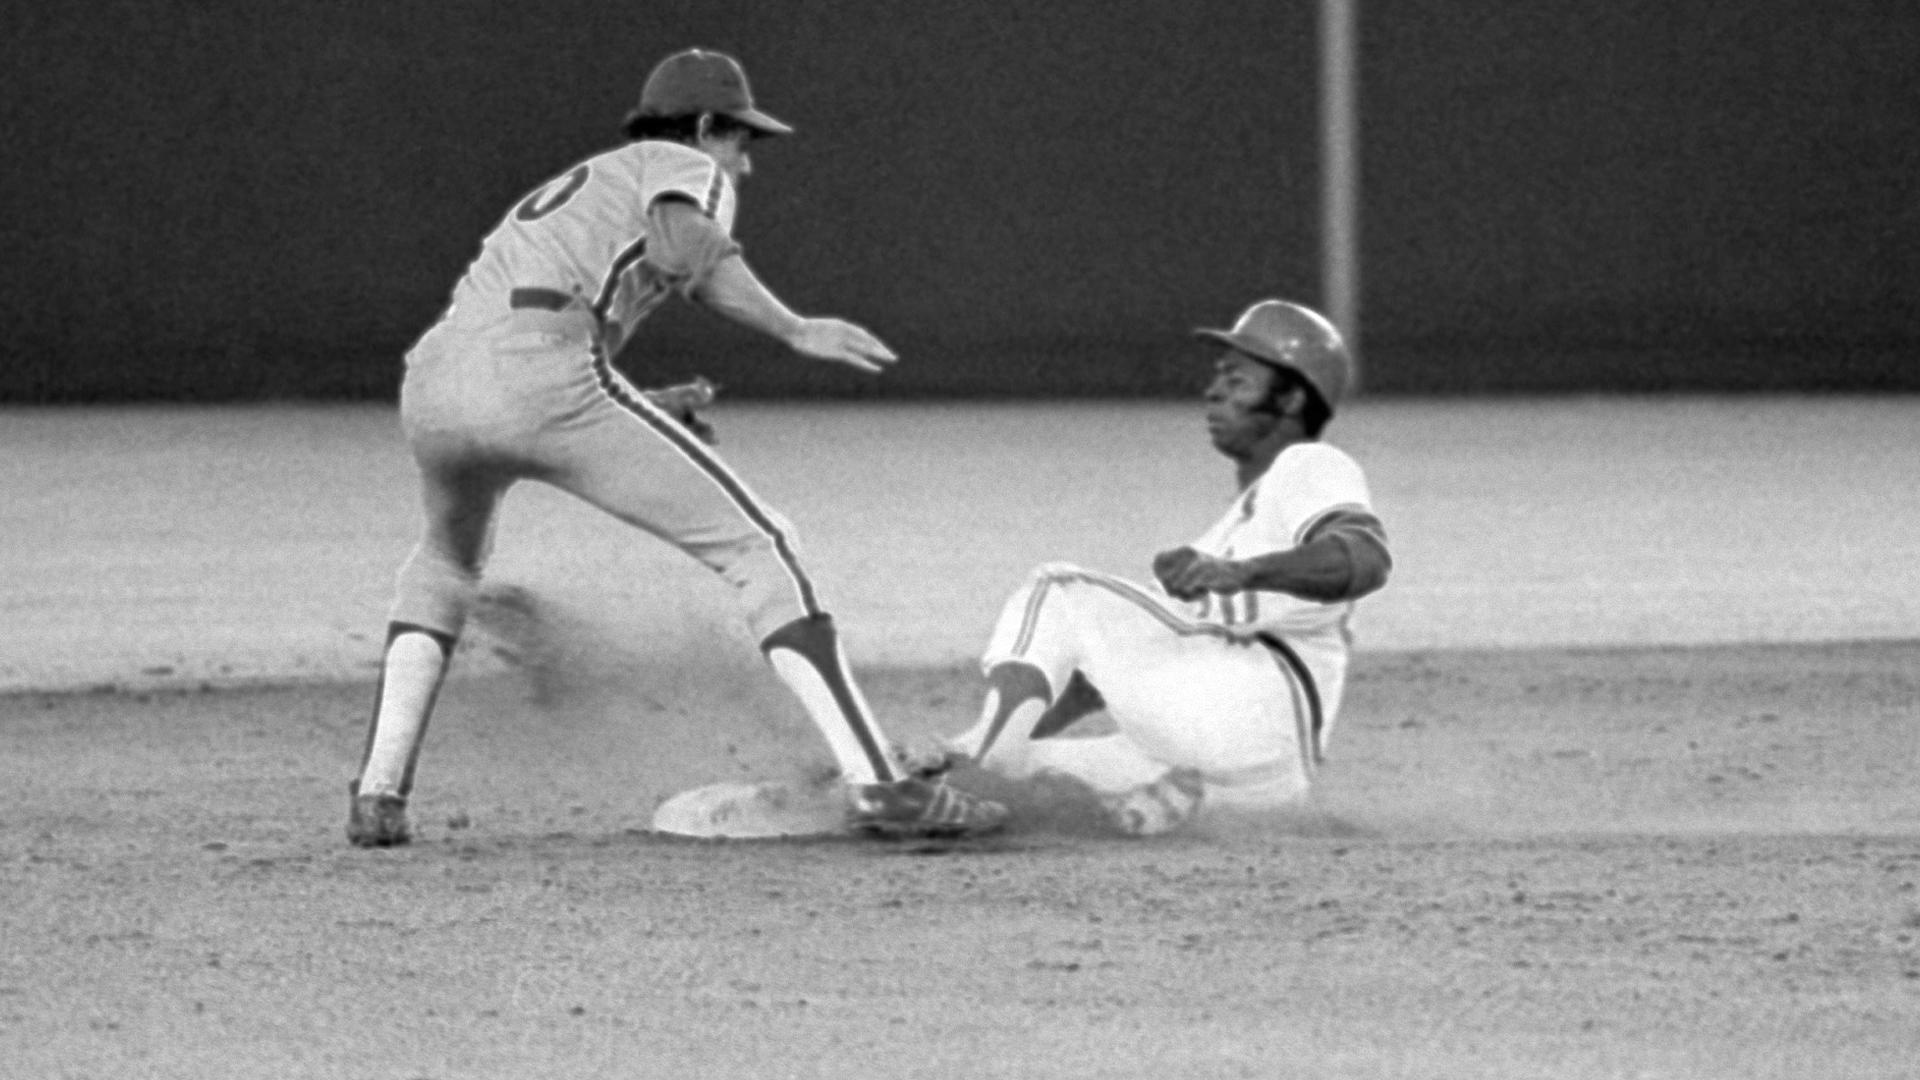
[(684, 128), (1315, 413)]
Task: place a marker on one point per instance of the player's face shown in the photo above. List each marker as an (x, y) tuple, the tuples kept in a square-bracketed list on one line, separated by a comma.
[(1235, 419), (729, 151)]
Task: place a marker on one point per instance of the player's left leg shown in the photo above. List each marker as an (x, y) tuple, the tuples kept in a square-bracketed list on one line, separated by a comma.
[(434, 593), (625, 456), (632, 460), (1036, 660)]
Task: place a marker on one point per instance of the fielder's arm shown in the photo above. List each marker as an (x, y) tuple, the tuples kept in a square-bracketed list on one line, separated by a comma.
[(1345, 557), (727, 285), (734, 291)]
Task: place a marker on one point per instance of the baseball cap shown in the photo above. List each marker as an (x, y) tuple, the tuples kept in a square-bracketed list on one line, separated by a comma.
[(1297, 338), (701, 80)]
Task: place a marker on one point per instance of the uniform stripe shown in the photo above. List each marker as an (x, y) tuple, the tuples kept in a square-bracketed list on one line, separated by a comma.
[(1309, 710), (712, 205), (1125, 590), (1030, 618), (696, 452), (1307, 528), (603, 302)]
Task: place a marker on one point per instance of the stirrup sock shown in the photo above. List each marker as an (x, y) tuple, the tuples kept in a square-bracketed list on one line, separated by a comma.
[(1017, 696), (410, 678), (806, 654)]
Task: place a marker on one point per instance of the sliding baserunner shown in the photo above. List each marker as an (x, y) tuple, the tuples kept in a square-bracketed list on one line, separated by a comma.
[(1222, 677)]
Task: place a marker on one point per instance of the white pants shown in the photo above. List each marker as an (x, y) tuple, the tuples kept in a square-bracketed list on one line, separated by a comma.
[(1244, 712), (533, 395)]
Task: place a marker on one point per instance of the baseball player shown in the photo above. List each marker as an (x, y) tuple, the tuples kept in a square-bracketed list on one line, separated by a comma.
[(516, 382), (1224, 676)]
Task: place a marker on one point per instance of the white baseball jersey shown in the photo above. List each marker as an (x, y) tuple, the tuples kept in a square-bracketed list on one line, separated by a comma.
[(1306, 482), (1195, 692), (585, 232)]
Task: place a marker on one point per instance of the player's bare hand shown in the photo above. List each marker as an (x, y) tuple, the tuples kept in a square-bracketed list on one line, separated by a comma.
[(1188, 574), (841, 342), (683, 402)]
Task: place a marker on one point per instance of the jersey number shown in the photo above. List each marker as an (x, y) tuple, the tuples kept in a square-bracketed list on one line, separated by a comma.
[(552, 195), (1232, 609)]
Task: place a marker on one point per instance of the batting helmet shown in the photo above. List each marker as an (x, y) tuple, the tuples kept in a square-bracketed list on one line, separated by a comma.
[(703, 81), (1296, 339)]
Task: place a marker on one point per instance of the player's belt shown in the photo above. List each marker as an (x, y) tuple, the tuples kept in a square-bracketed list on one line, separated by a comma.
[(539, 299), (1299, 667)]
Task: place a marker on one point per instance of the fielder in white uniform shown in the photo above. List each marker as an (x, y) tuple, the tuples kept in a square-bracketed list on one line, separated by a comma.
[(516, 382), (1223, 677)]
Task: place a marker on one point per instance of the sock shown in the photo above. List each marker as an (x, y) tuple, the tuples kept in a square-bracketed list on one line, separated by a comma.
[(1076, 701), (1018, 694), (410, 677), (806, 655)]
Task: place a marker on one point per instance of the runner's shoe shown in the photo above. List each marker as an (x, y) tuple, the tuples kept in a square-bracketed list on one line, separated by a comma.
[(1162, 806)]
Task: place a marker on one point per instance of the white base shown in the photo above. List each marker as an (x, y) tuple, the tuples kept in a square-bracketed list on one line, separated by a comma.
[(764, 811)]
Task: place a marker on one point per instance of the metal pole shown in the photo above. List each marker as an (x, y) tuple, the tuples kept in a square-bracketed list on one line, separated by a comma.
[(1340, 170)]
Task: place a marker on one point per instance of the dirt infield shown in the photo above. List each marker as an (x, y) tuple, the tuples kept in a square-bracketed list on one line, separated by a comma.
[(1605, 863), (1535, 851)]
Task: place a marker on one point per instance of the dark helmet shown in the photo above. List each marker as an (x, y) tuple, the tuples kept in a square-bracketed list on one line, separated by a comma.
[(1295, 338)]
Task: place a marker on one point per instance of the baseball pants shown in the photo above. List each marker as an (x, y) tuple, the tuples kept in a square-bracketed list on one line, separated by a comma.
[(1183, 694), (533, 397)]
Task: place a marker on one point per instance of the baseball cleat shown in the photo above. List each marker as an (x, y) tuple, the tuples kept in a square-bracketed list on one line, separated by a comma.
[(378, 820), (1162, 806), (916, 806)]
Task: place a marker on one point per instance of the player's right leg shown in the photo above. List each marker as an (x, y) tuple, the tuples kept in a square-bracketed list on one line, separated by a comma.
[(1198, 710), (460, 495)]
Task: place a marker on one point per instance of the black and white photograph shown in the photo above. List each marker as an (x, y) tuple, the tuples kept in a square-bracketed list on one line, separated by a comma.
[(1351, 539)]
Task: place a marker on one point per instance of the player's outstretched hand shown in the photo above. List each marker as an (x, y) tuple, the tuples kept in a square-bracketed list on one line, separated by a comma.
[(841, 342), (1187, 574)]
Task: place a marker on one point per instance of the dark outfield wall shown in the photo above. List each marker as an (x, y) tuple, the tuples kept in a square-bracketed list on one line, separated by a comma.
[(229, 199)]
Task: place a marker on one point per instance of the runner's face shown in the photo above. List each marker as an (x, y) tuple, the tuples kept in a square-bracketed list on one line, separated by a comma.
[(1235, 420)]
